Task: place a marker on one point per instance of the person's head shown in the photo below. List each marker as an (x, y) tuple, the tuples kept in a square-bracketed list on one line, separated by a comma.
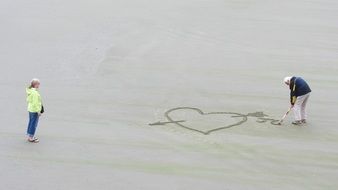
[(287, 80), (35, 83)]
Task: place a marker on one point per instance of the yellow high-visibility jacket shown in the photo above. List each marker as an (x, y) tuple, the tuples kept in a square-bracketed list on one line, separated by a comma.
[(33, 100)]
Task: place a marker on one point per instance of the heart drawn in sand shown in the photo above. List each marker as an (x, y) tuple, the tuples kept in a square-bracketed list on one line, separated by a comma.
[(170, 115)]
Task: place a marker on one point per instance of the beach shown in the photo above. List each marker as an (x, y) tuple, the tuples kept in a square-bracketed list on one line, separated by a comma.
[(108, 69)]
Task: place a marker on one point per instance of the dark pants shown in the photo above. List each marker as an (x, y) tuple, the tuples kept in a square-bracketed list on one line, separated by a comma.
[(33, 123)]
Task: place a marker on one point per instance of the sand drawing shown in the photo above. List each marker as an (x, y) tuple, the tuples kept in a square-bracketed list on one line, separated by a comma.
[(261, 118)]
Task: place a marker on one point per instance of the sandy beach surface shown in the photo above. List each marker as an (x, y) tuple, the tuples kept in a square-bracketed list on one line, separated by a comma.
[(110, 67)]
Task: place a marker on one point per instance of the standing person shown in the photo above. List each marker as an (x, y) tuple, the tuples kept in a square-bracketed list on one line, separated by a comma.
[(35, 109), (299, 95)]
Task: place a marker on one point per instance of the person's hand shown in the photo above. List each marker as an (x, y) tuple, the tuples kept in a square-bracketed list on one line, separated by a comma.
[(292, 106)]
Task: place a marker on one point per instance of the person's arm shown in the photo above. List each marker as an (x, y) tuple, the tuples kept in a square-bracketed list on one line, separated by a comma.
[(36, 102), (293, 97)]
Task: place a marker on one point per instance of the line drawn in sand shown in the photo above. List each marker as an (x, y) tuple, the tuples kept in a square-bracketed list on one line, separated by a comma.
[(261, 118)]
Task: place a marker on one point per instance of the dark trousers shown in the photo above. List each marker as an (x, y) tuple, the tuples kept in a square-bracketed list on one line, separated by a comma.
[(32, 124)]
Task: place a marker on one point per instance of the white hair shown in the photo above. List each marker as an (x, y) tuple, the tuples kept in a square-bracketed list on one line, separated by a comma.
[(287, 79), (35, 80)]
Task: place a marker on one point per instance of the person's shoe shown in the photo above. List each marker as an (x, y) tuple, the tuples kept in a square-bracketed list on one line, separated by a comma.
[(33, 140), (304, 121), (297, 122)]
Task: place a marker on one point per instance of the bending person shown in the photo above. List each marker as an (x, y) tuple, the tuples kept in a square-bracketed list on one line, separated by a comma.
[(299, 95)]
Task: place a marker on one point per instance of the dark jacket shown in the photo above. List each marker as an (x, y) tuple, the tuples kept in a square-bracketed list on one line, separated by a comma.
[(298, 87)]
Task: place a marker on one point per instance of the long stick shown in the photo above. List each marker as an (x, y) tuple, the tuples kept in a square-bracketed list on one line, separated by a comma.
[(280, 122)]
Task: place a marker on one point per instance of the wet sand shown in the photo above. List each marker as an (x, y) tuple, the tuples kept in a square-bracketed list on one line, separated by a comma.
[(109, 68)]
